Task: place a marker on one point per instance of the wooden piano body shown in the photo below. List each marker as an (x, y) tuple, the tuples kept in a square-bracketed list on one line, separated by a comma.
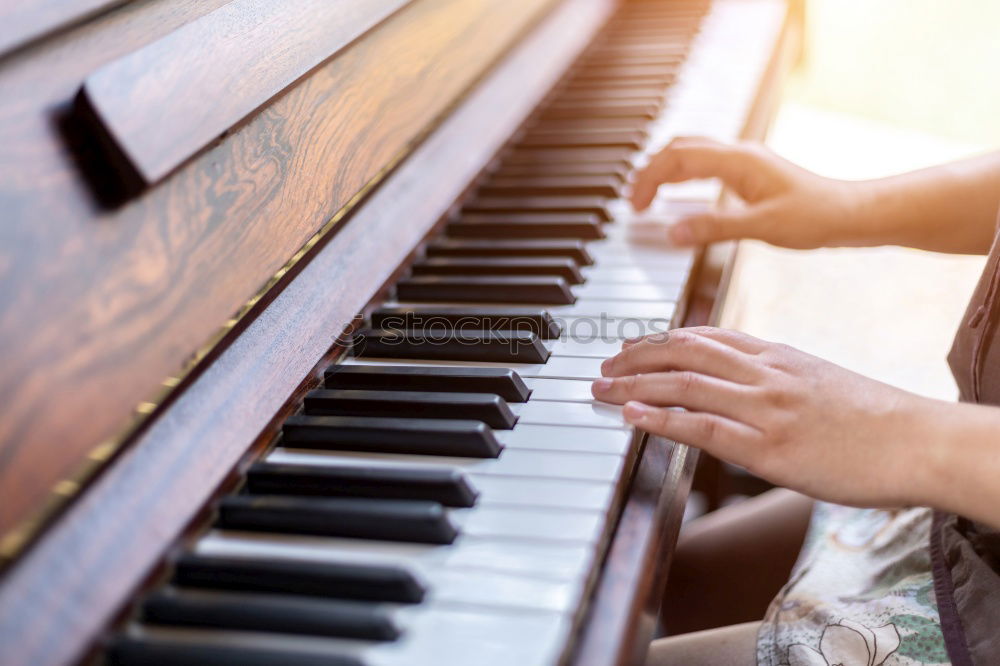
[(160, 316)]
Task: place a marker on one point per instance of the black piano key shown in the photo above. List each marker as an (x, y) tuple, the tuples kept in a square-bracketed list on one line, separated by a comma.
[(544, 205), (606, 70), (148, 651), (668, 51), (337, 580), (541, 289), (489, 408), (578, 91), (668, 18), (644, 44), (445, 485), (567, 269), (571, 249), (662, 58), (598, 109), (500, 381), (627, 87), (584, 226), (617, 170), (587, 125), (654, 41), (597, 185), (609, 81), (631, 139), (270, 613), (412, 521), (458, 345), (668, 57), (432, 437), (571, 155), (462, 318), (596, 95), (651, 36)]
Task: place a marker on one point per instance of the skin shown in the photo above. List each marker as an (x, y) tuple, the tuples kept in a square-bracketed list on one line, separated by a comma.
[(789, 417)]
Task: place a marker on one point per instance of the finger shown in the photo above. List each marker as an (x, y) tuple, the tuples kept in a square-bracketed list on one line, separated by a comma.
[(679, 389), (723, 438), (724, 224), (682, 350), (628, 342), (747, 344), (739, 166)]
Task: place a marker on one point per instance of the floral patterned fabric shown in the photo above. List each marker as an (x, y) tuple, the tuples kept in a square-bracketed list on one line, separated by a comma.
[(861, 594)]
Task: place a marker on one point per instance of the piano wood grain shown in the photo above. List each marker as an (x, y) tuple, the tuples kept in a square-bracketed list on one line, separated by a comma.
[(103, 308), (161, 104)]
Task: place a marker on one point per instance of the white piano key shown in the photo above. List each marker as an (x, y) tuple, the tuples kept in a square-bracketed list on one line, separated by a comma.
[(609, 329), (566, 438), (620, 255), (665, 254), (494, 640), (583, 347), (547, 493), (512, 462), (555, 560), (704, 191), (593, 307), (566, 367), (563, 390), (594, 414), (646, 232), (519, 522), (563, 367), (655, 274), (630, 292)]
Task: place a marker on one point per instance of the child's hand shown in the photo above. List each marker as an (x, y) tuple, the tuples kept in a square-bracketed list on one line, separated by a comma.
[(784, 204), (789, 417)]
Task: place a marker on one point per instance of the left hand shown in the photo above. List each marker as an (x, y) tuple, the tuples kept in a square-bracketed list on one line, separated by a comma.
[(789, 417)]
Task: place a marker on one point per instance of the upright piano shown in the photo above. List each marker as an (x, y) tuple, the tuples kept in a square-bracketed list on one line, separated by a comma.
[(299, 307)]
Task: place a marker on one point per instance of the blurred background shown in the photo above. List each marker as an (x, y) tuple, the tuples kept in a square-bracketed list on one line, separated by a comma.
[(885, 86)]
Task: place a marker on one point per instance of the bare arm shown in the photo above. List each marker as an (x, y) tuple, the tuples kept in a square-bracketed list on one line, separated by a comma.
[(949, 208)]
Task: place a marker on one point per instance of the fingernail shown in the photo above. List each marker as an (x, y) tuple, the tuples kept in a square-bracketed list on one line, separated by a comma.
[(681, 234), (631, 341), (603, 385), (635, 412)]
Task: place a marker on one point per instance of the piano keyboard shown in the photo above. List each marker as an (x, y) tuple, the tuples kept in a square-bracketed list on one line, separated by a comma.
[(447, 495)]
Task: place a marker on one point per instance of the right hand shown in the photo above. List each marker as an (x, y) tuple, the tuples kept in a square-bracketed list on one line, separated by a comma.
[(783, 204)]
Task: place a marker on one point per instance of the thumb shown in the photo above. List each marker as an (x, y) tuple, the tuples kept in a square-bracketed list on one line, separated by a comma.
[(718, 225)]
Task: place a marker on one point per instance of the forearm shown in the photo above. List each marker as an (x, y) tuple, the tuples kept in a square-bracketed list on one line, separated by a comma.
[(959, 460), (949, 208)]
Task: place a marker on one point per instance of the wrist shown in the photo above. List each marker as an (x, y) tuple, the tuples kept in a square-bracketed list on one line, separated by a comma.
[(878, 207), (930, 446), (913, 457)]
